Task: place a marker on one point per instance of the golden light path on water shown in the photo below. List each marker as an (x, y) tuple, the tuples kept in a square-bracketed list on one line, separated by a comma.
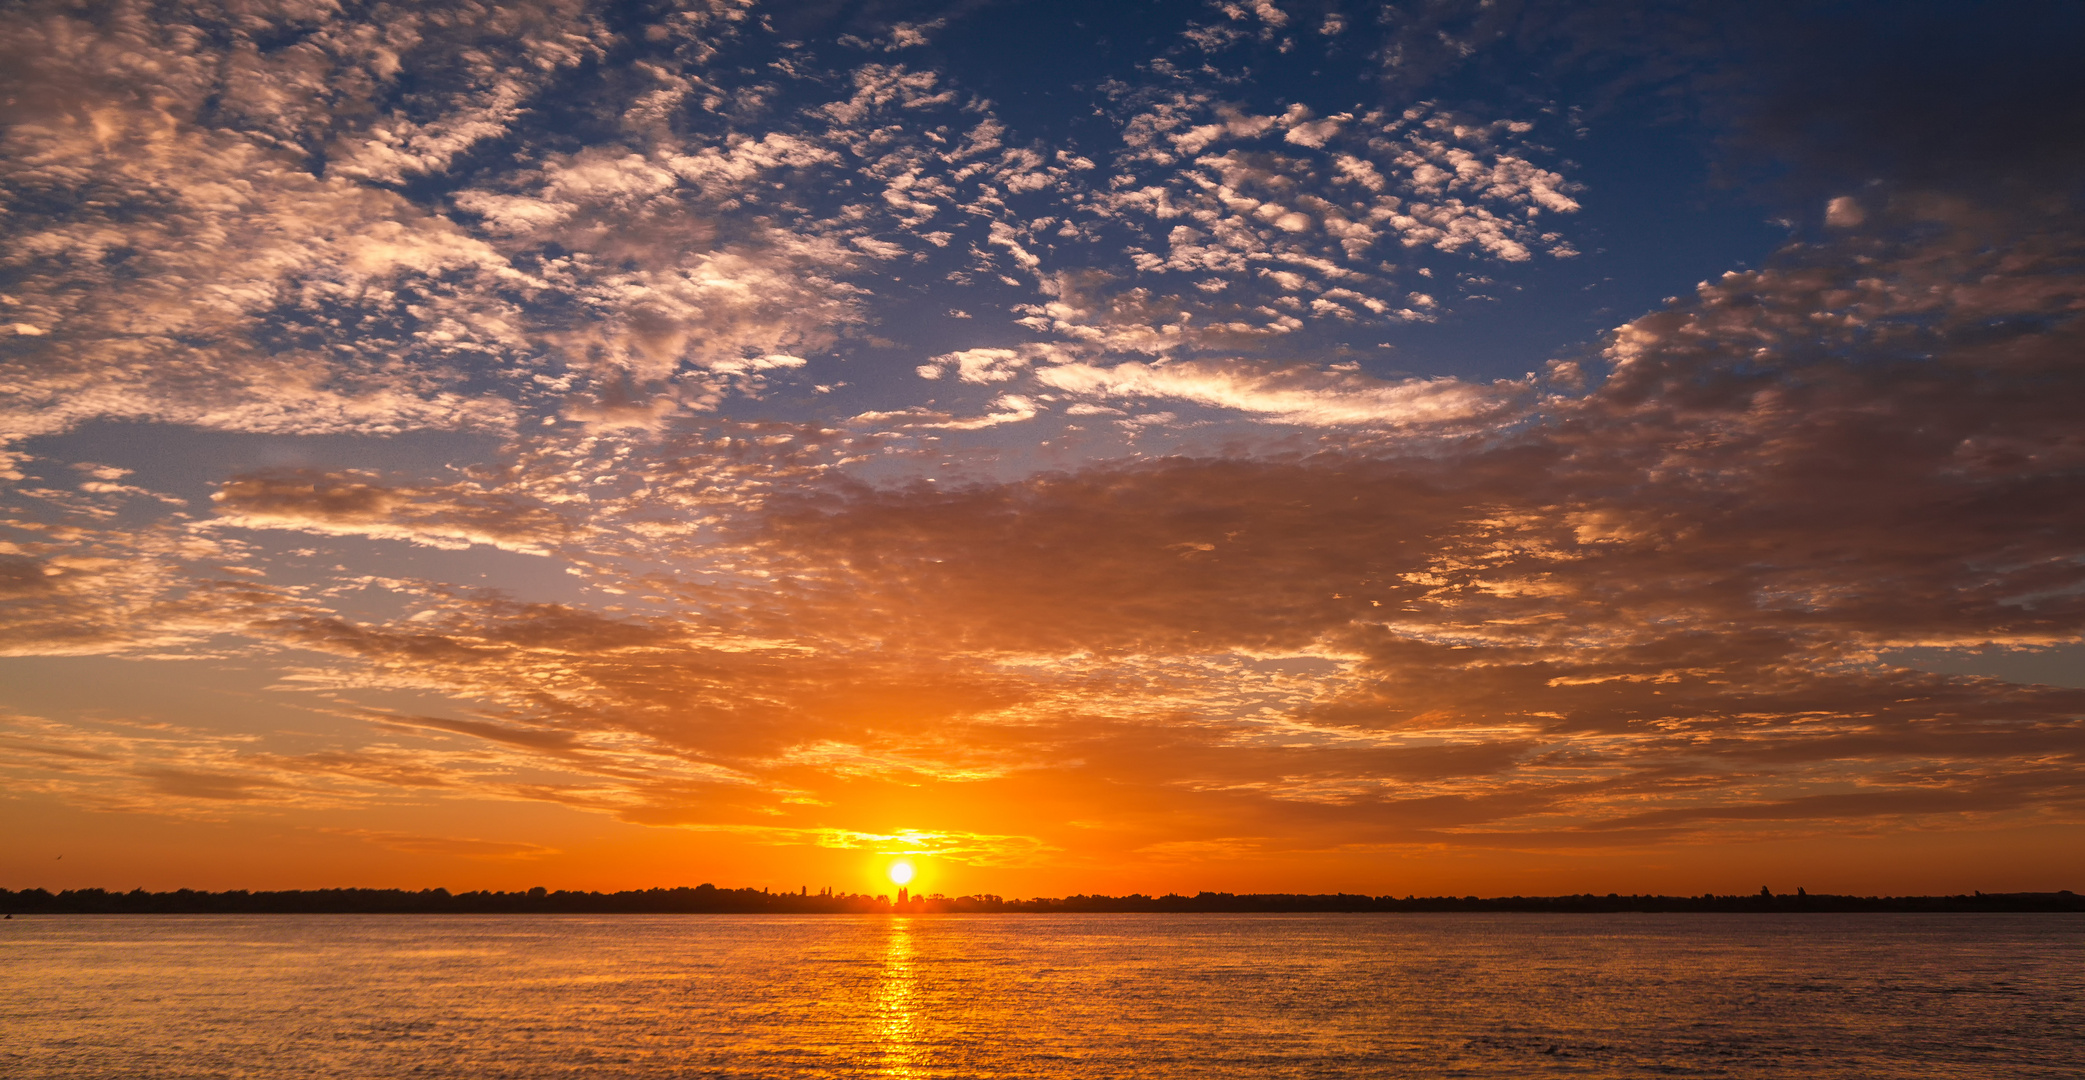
[(898, 998)]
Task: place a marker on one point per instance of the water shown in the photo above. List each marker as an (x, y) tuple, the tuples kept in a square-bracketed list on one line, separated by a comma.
[(371, 996)]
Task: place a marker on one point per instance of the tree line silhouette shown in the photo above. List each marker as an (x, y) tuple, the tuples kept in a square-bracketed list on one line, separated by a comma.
[(708, 899)]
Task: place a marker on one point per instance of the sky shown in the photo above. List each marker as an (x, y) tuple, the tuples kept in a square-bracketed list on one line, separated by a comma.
[(1255, 445)]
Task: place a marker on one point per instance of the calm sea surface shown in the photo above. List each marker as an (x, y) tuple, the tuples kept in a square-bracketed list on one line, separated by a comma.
[(364, 996)]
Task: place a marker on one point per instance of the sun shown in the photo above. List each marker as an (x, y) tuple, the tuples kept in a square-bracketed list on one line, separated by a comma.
[(900, 873)]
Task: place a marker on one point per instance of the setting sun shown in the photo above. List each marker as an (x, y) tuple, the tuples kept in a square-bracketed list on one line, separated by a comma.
[(901, 873)]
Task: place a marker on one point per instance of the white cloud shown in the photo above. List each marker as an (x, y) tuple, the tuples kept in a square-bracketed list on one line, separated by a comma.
[(1844, 212), (1292, 395), (978, 365)]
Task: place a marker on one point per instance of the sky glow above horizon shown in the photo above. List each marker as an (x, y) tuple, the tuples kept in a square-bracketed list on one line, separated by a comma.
[(1076, 447)]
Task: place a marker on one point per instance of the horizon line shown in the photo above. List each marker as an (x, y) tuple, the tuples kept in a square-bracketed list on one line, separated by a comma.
[(709, 899)]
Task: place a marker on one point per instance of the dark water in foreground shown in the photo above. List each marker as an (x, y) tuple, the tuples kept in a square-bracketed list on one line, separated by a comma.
[(368, 996)]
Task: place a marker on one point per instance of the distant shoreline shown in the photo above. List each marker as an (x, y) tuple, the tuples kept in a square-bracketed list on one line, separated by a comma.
[(710, 900)]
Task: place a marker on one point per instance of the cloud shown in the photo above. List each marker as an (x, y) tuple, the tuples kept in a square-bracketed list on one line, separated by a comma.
[(417, 844), (451, 516), (89, 583), (192, 784), (1295, 396), (977, 365), (228, 242), (177, 210), (1647, 613), (1011, 409)]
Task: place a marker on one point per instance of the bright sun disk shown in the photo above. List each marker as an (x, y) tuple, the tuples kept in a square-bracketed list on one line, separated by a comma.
[(900, 872)]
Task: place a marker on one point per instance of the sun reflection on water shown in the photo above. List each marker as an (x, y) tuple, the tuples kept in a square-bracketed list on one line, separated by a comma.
[(897, 999)]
